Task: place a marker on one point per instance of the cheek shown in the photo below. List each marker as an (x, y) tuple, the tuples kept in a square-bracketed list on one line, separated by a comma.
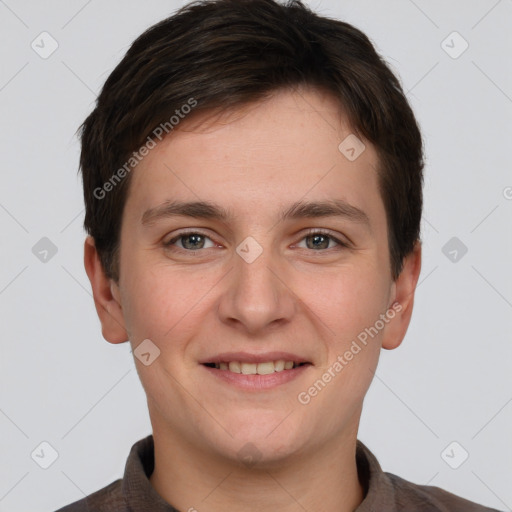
[(350, 304), (145, 300), (159, 302), (347, 299)]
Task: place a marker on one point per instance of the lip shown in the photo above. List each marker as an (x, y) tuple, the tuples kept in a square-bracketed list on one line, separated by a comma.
[(246, 357), (256, 382)]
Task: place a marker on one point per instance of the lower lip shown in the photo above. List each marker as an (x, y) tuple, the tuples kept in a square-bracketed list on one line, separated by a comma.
[(257, 382)]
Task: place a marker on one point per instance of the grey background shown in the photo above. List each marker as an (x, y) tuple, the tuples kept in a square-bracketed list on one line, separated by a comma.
[(449, 381)]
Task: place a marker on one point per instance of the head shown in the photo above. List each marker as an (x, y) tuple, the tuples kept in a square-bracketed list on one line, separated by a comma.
[(277, 124)]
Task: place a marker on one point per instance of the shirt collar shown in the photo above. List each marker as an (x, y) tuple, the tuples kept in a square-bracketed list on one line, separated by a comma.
[(140, 494)]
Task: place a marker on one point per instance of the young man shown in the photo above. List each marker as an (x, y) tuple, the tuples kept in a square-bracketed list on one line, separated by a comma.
[(252, 178)]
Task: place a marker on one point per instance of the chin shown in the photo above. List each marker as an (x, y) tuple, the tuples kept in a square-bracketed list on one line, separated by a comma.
[(261, 439)]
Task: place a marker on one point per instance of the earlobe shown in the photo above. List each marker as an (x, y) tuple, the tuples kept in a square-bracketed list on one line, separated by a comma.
[(106, 296), (403, 293)]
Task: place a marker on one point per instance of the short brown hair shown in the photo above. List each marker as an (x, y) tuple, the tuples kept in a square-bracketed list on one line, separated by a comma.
[(223, 54)]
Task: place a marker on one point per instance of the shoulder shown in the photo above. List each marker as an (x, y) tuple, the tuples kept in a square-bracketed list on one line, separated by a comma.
[(410, 496), (387, 492), (109, 498)]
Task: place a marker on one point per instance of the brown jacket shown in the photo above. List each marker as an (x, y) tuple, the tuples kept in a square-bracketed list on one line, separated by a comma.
[(384, 492)]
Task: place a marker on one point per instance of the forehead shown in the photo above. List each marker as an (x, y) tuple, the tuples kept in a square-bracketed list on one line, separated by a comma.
[(270, 153)]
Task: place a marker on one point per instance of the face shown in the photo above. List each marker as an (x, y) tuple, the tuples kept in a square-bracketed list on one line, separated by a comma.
[(286, 265)]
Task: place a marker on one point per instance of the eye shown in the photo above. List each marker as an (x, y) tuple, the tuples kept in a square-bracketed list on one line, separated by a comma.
[(190, 241), (318, 240)]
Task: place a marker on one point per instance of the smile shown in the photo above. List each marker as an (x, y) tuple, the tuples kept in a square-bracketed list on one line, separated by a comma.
[(263, 368)]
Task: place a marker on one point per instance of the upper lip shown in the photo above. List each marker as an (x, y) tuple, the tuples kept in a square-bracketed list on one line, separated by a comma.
[(247, 357)]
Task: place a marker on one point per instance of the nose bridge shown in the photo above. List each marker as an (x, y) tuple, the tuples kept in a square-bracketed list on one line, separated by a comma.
[(256, 296)]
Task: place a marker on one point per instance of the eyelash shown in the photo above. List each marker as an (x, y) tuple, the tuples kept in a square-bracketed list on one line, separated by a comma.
[(311, 232)]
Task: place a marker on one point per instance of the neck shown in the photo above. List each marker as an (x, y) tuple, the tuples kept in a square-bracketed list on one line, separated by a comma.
[(191, 480)]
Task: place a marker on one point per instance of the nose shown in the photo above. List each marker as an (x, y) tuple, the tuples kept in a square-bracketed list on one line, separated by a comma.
[(257, 297)]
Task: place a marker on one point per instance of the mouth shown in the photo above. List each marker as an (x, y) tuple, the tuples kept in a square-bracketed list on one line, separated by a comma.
[(262, 368), (255, 372)]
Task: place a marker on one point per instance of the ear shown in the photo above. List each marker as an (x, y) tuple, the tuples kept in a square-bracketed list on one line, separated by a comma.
[(403, 299), (106, 296)]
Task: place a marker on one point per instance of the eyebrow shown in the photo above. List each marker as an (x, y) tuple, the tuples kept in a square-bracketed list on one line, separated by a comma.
[(298, 210)]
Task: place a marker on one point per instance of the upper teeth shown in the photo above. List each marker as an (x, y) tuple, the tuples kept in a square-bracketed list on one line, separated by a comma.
[(256, 368)]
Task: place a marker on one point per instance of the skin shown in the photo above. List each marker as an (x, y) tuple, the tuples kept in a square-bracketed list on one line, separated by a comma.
[(294, 297)]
